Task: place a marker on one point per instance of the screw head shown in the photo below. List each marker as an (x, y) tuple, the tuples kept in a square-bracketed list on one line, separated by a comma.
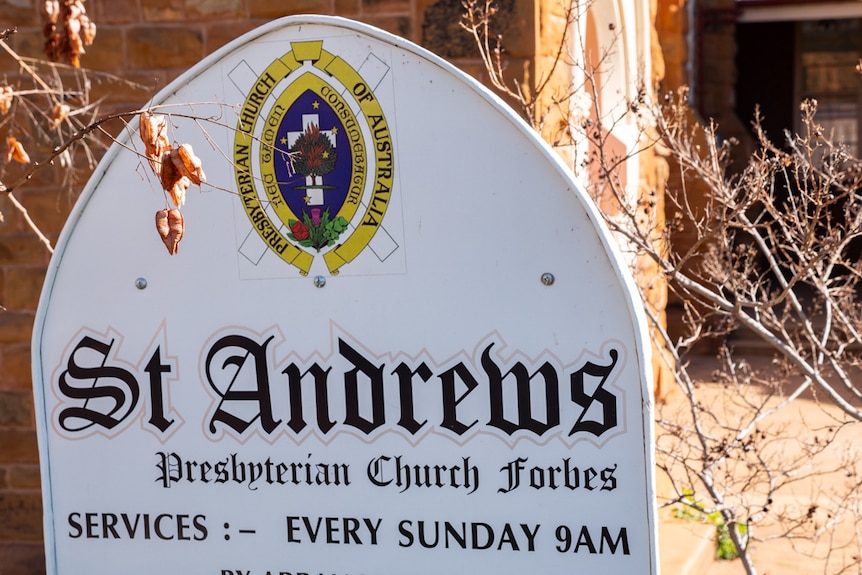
[(548, 279), (141, 283), (319, 281)]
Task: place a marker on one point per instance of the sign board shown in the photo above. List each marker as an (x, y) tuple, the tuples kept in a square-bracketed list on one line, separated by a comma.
[(396, 337)]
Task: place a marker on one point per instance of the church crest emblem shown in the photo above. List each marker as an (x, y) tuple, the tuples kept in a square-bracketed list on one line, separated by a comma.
[(314, 159)]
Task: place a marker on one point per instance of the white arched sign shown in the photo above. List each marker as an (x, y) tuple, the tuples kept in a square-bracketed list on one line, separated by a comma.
[(394, 337)]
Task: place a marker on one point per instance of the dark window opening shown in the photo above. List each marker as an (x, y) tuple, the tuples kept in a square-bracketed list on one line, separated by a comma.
[(781, 64)]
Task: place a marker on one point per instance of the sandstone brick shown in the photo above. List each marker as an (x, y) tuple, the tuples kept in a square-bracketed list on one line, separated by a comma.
[(347, 8), (670, 18), (46, 175), (163, 10), (210, 9), (552, 28), (277, 8), (21, 247), (25, 477), (29, 41), (16, 409), (143, 85), (128, 93), (385, 6), (13, 221), (22, 288), (15, 366), (559, 82), (221, 33), (168, 75), (18, 446), (19, 12), (675, 50), (114, 12), (399, 25), (15, 326), (107, 53), (48, 207), (153, 80), (22, 517), (472, 67), (8, 68), (111, 128), (160, 47), (22, 559)]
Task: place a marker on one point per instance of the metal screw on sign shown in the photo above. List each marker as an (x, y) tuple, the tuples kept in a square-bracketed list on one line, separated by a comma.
[(141, 283), (548, 279), (319, 281)]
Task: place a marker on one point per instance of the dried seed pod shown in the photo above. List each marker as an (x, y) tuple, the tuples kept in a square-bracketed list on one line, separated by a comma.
[(162, 225), (88, 30), (73, 50), (50, 14), (172, 179), (73, 25), (15, 151), (6, 96), (153, 130), (178, 191), (170, 225), (188, 163), (67, 29), (50, 11), (168, 173), (177, 224), (58, 115)]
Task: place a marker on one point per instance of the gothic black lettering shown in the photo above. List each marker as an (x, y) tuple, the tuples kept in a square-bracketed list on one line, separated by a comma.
[(566, 475), (523, 381), (92, 382), (155, 368), (355, 391), (172, 469), (602, 396), (385, 471), (240, 351)]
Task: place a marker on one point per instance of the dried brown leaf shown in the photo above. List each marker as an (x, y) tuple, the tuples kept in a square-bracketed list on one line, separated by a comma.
[(15, 151)]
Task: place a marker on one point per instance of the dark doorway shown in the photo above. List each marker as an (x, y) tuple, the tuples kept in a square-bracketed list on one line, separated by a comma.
[(765, 65)]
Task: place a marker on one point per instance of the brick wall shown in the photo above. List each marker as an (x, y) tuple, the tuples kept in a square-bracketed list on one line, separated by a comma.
[(152, 41)]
